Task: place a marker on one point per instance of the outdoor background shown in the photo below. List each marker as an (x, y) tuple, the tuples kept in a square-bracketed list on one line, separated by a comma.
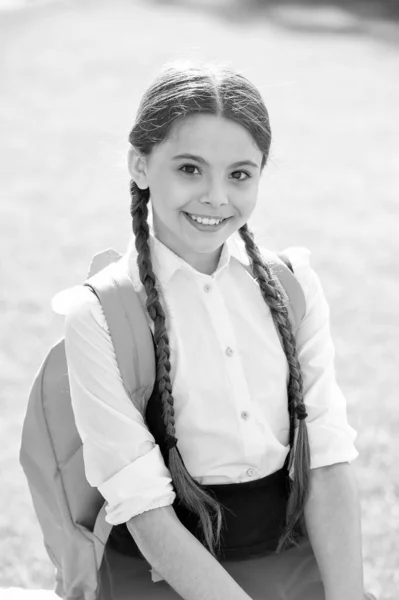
[(71, 76)]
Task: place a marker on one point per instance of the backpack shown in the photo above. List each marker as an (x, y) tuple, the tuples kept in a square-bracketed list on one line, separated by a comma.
[(70, 512)]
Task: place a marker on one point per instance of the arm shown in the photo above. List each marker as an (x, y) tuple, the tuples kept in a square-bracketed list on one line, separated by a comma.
[(121, 457), (332, 517), (332, 513), (181, 559)]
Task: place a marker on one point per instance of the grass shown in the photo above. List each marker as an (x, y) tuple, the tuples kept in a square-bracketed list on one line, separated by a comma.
[(72, 77)]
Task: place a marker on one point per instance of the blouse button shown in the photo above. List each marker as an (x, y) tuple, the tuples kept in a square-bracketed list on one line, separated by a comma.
[(245, 415), (229, 351), (207, 288), (251, 472)]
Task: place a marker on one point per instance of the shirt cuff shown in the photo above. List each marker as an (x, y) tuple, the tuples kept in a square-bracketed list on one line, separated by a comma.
[(142, 485), (329, 445)]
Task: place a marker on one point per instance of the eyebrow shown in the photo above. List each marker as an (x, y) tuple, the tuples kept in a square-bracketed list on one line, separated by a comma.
[(202, 161)]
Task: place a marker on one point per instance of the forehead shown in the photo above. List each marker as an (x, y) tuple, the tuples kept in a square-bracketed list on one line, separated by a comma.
[(214, 138)]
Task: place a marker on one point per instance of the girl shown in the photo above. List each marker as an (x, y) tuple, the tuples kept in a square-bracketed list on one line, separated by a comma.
[(236, 484)]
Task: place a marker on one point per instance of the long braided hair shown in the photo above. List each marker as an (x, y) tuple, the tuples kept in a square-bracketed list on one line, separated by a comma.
[(177, 92)]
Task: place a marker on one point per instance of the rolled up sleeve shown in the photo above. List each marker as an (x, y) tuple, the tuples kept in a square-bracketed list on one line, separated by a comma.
[(120, 454), (331, 438)]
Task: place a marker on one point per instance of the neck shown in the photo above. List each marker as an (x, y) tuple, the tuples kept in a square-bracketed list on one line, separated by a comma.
[(204, 263)]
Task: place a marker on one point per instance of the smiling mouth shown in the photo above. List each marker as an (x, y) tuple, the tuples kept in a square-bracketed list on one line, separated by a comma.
[(206, 220)]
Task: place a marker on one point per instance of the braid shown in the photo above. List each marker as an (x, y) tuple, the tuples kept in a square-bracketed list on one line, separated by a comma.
[(189, 492), (299, 455)]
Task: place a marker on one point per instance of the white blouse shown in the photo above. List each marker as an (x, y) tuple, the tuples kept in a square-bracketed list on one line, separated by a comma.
[(229, 376)]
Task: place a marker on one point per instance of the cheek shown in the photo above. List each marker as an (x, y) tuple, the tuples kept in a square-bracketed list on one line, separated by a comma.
[(164, 193), (245, 200), (171, 190)]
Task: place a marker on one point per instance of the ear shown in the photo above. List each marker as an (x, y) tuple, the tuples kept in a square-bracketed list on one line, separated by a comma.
[(137, 168)]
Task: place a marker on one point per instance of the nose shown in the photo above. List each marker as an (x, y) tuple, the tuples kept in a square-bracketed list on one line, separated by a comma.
[(215, 195)]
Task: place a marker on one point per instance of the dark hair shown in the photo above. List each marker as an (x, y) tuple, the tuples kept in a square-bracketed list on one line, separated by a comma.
[(177, 92)]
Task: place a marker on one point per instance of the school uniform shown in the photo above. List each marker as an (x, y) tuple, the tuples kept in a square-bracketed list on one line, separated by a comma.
[(229, 375)]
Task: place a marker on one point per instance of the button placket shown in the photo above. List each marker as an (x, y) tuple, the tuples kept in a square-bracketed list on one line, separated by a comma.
[(215, 303)]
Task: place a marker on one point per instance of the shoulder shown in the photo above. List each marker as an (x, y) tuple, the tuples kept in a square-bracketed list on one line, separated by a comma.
[(300, 258), (316, 302), (80, 305), (84, 311)]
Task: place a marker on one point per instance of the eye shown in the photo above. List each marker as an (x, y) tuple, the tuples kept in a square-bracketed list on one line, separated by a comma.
[(188, 169), (247, 175)]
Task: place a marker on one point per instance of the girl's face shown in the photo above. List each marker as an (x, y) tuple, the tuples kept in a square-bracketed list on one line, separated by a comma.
[(208, 168)]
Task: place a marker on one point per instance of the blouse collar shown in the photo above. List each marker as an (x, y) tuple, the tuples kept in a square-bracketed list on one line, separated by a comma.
[(166, 263)]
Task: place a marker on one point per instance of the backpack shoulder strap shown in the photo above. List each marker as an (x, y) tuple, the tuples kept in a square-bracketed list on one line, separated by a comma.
[(294, 291), (282, 267), (129, 329)]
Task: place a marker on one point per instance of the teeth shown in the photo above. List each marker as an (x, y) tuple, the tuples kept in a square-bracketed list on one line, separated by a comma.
[(206, 221)]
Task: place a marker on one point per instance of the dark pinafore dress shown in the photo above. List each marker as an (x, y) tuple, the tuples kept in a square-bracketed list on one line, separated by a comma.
[(253, 519)]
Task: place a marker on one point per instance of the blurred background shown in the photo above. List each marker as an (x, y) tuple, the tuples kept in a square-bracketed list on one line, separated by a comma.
[(71, 76)]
